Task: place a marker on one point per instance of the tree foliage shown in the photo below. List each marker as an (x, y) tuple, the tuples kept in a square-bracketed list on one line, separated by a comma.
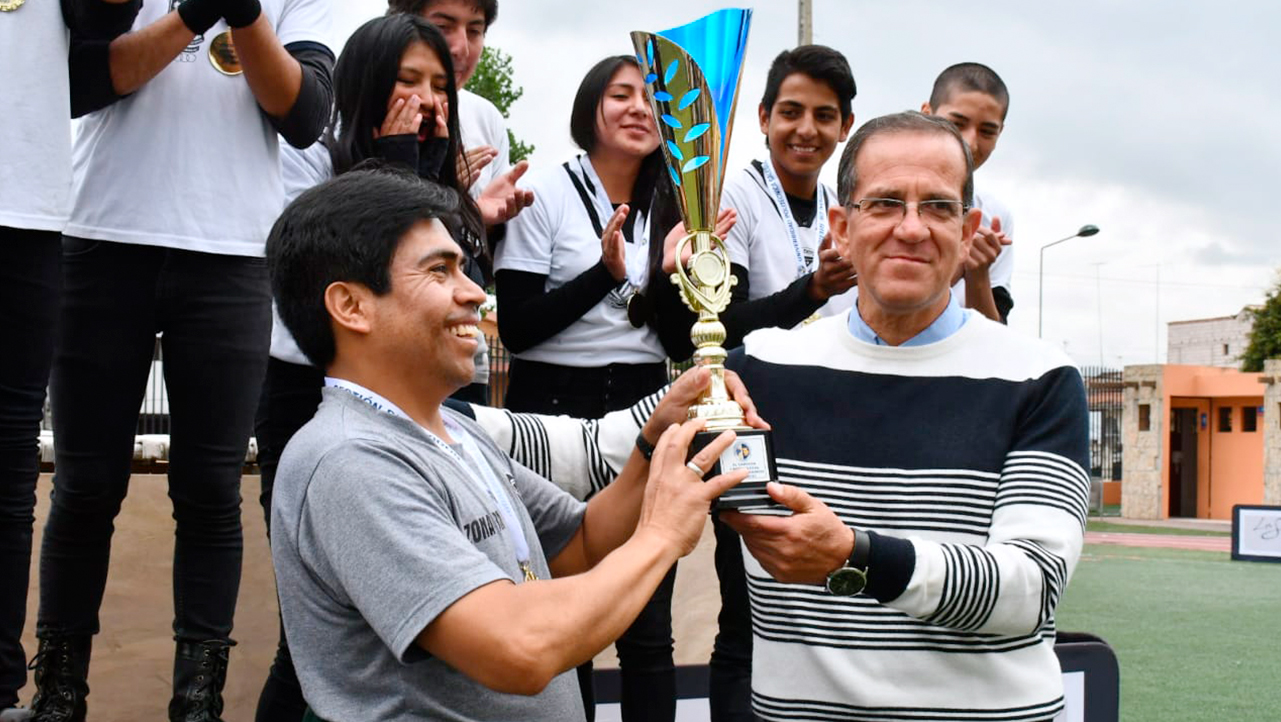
[(493, 81), (1265, 337)]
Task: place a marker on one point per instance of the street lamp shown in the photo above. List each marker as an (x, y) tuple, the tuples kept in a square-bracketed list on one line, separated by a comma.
[(1084, 231)]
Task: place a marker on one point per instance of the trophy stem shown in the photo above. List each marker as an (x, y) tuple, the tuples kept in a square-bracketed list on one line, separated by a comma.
[(715, 405)]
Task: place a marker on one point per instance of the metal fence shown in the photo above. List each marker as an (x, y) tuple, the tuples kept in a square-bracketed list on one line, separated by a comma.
[(1103, 389)]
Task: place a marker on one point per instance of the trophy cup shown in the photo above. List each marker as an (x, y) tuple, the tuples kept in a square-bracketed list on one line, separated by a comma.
[(692, 75)]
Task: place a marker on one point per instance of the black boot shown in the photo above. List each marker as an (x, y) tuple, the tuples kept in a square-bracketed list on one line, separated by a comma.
[(61, 674), (199, 673)]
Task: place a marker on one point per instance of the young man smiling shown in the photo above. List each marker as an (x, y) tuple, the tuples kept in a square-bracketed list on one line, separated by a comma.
[(804, 113), (974, 98)]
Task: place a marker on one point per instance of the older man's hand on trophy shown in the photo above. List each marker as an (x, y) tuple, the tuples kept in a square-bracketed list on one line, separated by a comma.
[(725, 220)]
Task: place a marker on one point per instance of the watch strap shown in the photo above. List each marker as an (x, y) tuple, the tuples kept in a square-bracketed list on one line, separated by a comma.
[(862, 553), (644, 447)]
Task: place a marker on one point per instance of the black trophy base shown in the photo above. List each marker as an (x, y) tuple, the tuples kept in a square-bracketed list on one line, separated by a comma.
[(753, 450)]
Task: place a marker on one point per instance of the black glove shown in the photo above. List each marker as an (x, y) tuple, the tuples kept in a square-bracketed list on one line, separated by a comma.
[(241, 13), (200, 15)]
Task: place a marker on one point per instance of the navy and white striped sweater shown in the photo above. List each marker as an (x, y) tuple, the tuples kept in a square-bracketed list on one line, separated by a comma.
[(966, 461)]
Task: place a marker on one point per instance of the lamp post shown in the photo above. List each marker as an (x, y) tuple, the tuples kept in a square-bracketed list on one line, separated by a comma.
[(1083, 232)]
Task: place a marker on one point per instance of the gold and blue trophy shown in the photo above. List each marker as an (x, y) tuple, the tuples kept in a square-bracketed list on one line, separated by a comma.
[(692, 74)]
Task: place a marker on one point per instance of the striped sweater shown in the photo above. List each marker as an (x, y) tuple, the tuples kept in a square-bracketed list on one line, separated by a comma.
[(965, 460)]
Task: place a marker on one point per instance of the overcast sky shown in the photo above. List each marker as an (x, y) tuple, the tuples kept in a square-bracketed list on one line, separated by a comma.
[(1156, 121)]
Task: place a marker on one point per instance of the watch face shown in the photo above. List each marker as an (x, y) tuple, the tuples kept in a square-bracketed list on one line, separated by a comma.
[(846, 582)]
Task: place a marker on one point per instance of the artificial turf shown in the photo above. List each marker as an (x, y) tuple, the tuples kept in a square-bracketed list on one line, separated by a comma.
[(1198, 636), (1108, 526)]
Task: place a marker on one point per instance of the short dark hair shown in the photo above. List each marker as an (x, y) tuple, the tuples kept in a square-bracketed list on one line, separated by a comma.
[(489, 8), (820, 63), (905, 122), (346, 229), (586, 109), (969, 77)]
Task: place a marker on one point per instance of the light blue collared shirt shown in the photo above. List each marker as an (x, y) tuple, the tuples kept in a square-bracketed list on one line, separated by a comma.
[(948, 323)]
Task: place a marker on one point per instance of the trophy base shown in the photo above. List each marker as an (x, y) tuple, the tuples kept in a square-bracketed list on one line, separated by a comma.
[(753, 451)]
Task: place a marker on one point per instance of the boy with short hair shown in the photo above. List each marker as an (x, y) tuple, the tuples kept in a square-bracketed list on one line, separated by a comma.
[(974, 98)]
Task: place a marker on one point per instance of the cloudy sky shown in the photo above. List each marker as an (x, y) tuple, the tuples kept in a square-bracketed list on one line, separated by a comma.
[(1156, 121)]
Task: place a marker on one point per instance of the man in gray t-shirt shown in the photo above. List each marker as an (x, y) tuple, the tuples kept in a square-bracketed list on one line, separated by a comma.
[(422, 574)]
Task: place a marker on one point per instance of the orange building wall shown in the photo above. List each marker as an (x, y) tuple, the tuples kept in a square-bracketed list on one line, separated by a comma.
[(1230, 463), (1236, 459)]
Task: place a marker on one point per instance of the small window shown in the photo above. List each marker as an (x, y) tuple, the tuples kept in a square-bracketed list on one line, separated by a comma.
[(1225, 349), (1145, 417), (1225, 418), (1249, 418)]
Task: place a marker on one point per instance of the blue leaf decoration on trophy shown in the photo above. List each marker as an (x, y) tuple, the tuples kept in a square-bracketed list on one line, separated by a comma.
[(695, 163), (696, 132), (671, 70)]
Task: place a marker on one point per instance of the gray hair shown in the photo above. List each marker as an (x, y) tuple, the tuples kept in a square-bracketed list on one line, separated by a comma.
[(906, 122)]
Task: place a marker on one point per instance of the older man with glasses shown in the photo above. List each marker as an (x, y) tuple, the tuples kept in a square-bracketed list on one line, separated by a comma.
[(933, 463)]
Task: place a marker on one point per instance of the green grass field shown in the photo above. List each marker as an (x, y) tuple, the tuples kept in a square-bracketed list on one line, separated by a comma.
[(1108, 526), (1198, 636)]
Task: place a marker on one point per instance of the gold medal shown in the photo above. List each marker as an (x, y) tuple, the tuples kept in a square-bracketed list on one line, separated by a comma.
[(222, 53), (8, 6)]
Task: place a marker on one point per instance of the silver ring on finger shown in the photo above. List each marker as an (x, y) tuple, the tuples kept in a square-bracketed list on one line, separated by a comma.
[(695, 468)]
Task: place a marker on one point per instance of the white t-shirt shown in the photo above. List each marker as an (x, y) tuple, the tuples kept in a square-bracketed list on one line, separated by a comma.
[(554, 237), (35, 133), (1002, 269), (190, 160), (481, 123), (760, 242), (299, 171)]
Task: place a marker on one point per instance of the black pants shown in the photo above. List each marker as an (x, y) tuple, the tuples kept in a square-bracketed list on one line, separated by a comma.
[(214, 314), (289, 399), (729, 679), (30, 281), (645, 649)]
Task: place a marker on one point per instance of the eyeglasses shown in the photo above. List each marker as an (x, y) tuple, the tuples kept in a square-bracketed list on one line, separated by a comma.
[(934, 211)]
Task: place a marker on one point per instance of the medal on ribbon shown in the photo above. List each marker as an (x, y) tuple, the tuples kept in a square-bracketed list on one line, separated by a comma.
[(222, 54)]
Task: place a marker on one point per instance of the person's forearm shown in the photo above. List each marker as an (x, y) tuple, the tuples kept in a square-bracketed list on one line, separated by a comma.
[(531, 315), (608, 522), (139, 56), (274, 75), (540, 629), (978, 295)]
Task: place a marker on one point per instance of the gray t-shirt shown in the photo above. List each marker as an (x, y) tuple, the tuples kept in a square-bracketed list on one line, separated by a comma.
[(375, 531)]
